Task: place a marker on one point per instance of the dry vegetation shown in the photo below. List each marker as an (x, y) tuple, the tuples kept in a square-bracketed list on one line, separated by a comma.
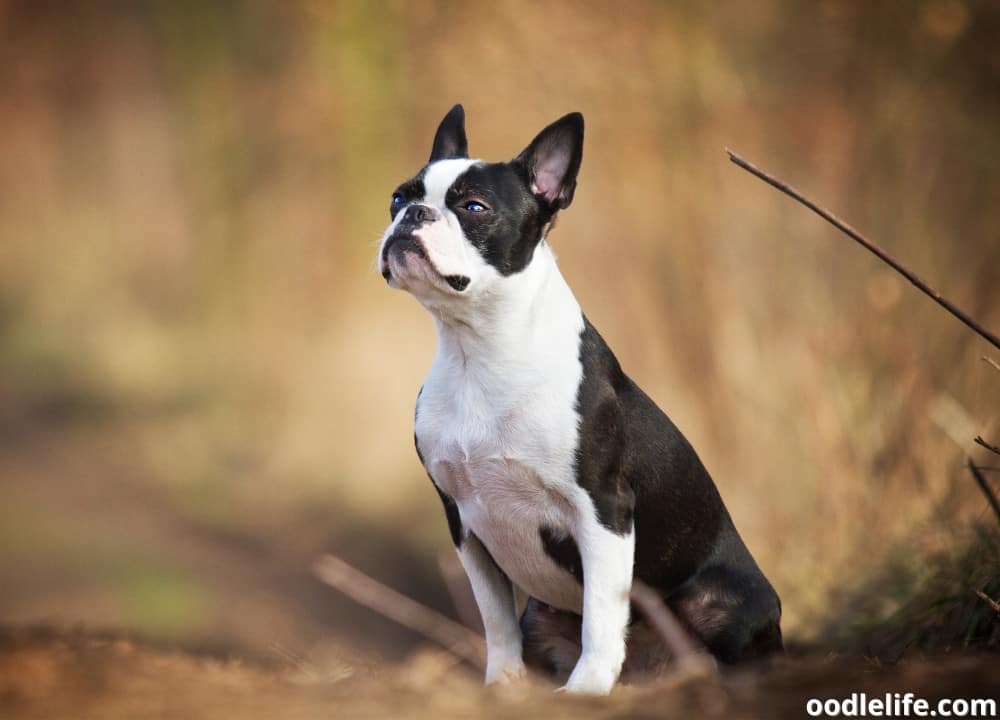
[(204, 385)]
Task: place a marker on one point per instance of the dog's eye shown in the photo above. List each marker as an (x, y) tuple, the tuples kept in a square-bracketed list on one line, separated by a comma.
[(397, 199), (475, 206)]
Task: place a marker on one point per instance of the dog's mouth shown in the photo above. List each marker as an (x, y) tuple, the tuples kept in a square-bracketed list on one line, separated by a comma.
[(398, 245)]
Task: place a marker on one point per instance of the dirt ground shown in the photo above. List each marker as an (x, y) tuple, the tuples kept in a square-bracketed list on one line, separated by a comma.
[(77, 674)]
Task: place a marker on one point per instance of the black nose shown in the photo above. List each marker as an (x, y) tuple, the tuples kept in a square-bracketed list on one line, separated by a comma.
[(419, 214)]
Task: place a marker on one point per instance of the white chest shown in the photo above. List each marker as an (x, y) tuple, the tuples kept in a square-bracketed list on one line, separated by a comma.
[(500, 439)]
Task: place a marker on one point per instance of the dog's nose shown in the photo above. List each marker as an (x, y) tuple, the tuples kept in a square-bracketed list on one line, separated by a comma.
[(419, 214)]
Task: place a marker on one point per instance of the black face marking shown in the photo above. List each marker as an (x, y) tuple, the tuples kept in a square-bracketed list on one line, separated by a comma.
[(507, 228), (563, 551), (411, 191), (504, 208), (508, 232)]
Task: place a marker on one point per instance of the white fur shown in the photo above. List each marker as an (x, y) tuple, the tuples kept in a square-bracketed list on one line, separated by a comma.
[(498, 429), (497, 421), (605, 608), (495, 598)]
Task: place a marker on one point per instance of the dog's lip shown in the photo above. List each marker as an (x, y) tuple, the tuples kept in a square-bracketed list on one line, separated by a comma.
[(458, 283), (397, 238)]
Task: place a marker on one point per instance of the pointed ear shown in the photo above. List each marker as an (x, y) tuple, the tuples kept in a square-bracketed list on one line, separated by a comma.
[(553, 160), (449, 141)]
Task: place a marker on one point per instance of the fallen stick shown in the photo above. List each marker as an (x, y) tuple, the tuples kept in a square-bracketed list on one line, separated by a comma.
[(366, 590), (867, 244)]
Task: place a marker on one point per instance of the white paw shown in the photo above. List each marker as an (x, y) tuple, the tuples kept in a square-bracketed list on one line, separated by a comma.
[(504, 669), (590, 678)]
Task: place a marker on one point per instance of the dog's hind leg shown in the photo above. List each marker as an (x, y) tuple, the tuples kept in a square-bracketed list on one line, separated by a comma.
[(732, 610)]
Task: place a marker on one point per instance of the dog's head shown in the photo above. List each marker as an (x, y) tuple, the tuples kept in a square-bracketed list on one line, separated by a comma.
[(460, 227)]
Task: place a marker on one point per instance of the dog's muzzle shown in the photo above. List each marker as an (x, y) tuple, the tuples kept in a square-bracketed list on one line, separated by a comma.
[(399, 244), (403, 241)]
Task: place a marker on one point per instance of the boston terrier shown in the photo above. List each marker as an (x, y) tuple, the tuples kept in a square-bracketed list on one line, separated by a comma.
[(558, 474)]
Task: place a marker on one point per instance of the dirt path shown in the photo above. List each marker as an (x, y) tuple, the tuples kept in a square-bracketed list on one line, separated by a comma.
[(81, 675)]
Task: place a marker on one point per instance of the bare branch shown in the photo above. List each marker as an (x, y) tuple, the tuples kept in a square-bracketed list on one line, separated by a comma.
[(868, 245), (988, 600), (369, 592), (992, 448), (992, 362), (984, 486)]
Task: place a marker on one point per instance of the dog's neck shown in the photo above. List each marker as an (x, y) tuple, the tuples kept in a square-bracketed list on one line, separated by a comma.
[(528, 315)]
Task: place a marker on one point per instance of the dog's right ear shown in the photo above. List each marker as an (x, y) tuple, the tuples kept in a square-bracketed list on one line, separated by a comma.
[(449, 141)]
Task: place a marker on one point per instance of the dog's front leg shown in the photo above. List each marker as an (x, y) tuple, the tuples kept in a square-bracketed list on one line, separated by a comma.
[(607, 559), (495, 597)]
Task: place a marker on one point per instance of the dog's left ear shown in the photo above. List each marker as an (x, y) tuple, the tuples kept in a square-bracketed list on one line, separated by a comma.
[(552, 161), (449, 141)]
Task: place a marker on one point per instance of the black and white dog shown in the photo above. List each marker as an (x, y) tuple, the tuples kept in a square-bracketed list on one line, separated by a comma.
[(557, 473)]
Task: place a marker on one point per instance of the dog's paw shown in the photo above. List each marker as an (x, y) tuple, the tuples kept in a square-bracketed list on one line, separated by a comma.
[(505, 669), (589, 678)]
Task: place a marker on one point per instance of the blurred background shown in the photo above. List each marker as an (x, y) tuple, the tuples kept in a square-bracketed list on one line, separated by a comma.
[(204, 384)]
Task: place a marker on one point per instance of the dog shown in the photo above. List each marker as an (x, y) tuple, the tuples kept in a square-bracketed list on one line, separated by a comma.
[(558, 475)]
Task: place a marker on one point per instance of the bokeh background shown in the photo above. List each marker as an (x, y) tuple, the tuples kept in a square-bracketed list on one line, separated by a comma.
[(204, 384)]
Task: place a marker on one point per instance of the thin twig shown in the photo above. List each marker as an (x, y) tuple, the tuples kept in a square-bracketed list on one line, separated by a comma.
[(870, 246), (988, 600), (984, 486), (992, 448), (369, 592), (690, 659), (992, 362)]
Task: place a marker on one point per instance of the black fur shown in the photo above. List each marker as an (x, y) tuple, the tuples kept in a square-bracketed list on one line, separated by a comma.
[(452, 515), (411, 191), (450, 141), (638, 468), (558, 145), (600, 455), (563, 550), (450, 507)]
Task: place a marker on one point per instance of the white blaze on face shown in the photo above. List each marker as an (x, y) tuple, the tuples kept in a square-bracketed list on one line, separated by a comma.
[(449, 251), (443, 239), (440, 176)]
